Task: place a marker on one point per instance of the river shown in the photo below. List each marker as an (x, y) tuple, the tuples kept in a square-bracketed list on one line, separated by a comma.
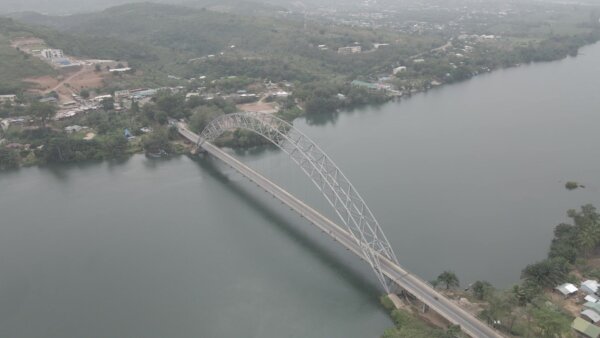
[(468, 177)]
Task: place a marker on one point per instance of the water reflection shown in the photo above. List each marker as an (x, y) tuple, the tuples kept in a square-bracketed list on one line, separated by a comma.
[(356, 279)]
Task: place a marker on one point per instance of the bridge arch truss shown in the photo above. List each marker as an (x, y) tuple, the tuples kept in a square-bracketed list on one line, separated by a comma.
[(347, 203)]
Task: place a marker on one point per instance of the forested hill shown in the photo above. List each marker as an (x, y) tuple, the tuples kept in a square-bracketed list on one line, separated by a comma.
[(201, 30), (69, 7), (189, 33), (15, 65), (169, 42)]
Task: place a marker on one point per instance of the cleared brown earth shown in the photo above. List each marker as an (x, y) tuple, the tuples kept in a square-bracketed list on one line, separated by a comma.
[(259, 107), (70, 82)]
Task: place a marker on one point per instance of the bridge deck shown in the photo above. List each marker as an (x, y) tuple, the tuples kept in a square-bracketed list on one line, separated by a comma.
[(405, 280)]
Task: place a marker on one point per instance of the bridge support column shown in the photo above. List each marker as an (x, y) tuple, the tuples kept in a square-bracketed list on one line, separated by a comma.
[(395, 300)]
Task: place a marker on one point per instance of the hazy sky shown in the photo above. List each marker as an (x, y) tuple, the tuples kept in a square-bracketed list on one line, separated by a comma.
[(77, 6), (64, 6)]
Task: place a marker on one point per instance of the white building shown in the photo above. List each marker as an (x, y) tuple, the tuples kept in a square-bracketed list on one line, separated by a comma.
[(102, 98), (52, 53), (120, 94), (8, 98), (124, 70), (281, 94), (590, 286), (591, 299), (566, 289), (399, 69)]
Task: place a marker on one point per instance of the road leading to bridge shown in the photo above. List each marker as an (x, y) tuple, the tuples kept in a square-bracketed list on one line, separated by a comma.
[(400, 276)]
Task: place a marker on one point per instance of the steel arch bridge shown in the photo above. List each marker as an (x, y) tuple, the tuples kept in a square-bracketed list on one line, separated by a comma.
[(349, 206)]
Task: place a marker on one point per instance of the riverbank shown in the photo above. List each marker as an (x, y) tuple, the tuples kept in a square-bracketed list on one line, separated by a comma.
[(469, 178), (537, 305)]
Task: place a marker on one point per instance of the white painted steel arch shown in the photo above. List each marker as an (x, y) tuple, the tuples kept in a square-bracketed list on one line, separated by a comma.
[(329, 179)]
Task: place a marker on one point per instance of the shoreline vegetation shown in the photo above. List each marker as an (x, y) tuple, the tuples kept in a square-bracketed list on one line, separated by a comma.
[(530, 308), (275, 64), (44, 142)]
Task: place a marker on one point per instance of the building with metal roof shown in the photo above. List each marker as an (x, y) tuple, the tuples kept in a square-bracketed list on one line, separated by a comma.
[(591, 299), (592, 306), (591, 315), (585, 328), (590, 286), (566, 289)]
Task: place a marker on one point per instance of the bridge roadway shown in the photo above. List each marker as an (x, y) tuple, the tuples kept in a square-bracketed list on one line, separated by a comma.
[(420, 289)]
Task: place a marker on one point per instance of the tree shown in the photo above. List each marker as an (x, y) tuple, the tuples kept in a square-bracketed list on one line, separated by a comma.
[(115, 145), (565, 243), (547, 273), (482, 289), (157, 141), (172, 105), (550, 322), (135, 107), (525, 293), (448, 279), (498, 309), (587, 221), (84, 93), (7, 105), (108, 104), (571, 185), (202, 116), (43, 111), (589, 237), (9, 158)]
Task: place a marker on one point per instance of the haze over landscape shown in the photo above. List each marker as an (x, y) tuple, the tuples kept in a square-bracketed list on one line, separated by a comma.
[(282, 168)]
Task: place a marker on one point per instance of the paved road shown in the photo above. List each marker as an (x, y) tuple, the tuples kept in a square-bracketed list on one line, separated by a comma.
[(405, 280)]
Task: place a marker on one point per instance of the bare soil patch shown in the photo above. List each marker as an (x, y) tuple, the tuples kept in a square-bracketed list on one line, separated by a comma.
[(259, 107), (70, 82)]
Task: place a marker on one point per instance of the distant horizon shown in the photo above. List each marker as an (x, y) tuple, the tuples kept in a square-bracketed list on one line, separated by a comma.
[(70, 7)]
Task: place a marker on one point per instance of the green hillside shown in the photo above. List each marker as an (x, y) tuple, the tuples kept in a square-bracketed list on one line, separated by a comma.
[(15, 65), (261, 42)]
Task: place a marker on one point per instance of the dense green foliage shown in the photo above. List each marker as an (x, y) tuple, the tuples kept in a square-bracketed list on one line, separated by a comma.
[(571, 185), (64, 149), (448, 279), (525, 309), (157, 141), (481, 289), (571, 241), (578, 239), (164, 40), (9, 159), (42, 111), (547, 273), (324, 96)]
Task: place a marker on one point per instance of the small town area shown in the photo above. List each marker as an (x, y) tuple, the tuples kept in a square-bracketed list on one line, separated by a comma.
[(74, 106), (583, 303)]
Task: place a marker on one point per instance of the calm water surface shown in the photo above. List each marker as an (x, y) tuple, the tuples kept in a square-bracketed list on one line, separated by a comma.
[(469, 177)]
